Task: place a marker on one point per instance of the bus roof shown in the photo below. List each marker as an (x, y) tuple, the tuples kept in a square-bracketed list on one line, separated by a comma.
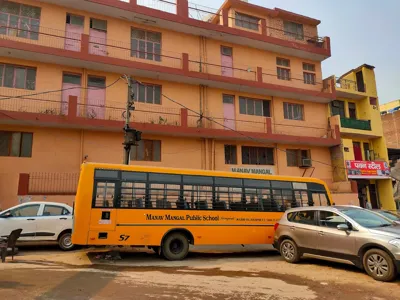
[(131, 168)]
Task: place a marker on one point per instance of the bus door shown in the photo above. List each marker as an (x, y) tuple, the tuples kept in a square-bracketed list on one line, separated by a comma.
[(105, 200)]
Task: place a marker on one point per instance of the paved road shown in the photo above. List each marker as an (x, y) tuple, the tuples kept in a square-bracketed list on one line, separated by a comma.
[(45, 275)]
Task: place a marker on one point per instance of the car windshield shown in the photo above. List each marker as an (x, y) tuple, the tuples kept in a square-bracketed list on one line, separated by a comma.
[(366, 218), (389, 215)]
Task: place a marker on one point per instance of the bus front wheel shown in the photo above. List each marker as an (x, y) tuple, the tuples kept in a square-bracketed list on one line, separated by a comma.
[(175, 246)]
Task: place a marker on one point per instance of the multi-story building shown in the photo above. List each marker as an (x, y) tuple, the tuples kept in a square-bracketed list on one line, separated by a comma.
[(391, 125), (360, 162), (237, 89), (390, 115)]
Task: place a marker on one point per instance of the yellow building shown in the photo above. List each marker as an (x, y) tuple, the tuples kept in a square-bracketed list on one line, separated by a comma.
[(360, 162)]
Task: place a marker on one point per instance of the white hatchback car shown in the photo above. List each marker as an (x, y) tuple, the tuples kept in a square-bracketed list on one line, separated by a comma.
[(41, 222)]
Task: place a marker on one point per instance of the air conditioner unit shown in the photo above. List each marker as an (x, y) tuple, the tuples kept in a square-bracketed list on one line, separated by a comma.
[(305, 163)]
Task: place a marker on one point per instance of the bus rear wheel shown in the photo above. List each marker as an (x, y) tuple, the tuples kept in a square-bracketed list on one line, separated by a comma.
[(175, 246)]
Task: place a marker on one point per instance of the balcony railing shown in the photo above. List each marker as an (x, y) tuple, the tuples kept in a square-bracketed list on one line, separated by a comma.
[(256, 124), (43, 36), (237, 71), (96, 47), (260, 125), (84, 110), (168, 6), (24, 101), (203, 13), (142, 114), (318, 42), (222, 17), (355, 124)]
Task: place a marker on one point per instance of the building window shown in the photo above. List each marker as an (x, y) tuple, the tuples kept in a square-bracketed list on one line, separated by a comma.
[(17, 77), (19, 20), (283, 68), (230, 154), (257, 156), (97, 24), (373, 101), (226, 51), (147, 150), (337, 108), (96, 82), (308, 67), (352, 110), (147, 93), (293, 111), (296, 157), (367, 152), (309, 78), (75, 20), (254, 107), (146, 44), (309, 74), (294, 30), (246, 21), (16, 144)]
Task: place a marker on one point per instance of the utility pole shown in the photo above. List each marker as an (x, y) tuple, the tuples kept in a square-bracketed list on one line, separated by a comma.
[(132, 136)]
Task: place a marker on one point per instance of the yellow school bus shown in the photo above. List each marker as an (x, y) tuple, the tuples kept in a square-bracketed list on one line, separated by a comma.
[(167, 209)]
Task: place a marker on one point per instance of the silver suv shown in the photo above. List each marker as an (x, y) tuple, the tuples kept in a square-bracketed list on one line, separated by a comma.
[(344, 234)]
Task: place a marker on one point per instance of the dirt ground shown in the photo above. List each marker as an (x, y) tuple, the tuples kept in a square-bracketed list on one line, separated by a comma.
[(46, 274)]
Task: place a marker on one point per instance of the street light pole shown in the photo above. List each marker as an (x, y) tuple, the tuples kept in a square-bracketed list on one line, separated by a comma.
[(131, 136)]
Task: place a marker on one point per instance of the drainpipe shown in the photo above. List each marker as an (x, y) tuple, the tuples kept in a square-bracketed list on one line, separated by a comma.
[(81, 159), (277, 160), (213, 154), (206, 154)]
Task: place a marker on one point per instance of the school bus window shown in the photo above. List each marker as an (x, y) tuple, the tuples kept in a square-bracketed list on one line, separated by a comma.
[(284, 199), (164, 178), (252, 199), (132, 194), (256, 183), (301, 198), (197, 196), (229, 196), (166, 195), (281, 184), (221, 181), (200, 180), (133, 176), (108, 174), (105, 192), (299, 185), (320, 199), (315, 186)]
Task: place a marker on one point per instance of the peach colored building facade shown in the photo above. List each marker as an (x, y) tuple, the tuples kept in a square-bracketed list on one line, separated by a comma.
[(230, 89)]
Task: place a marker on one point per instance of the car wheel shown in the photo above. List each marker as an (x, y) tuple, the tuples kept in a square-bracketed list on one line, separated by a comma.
[(65, 242), (379, 265), (289, 251), (175, 246)]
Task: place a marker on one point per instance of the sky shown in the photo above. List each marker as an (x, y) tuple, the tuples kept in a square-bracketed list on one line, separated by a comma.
[(361, 31)]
